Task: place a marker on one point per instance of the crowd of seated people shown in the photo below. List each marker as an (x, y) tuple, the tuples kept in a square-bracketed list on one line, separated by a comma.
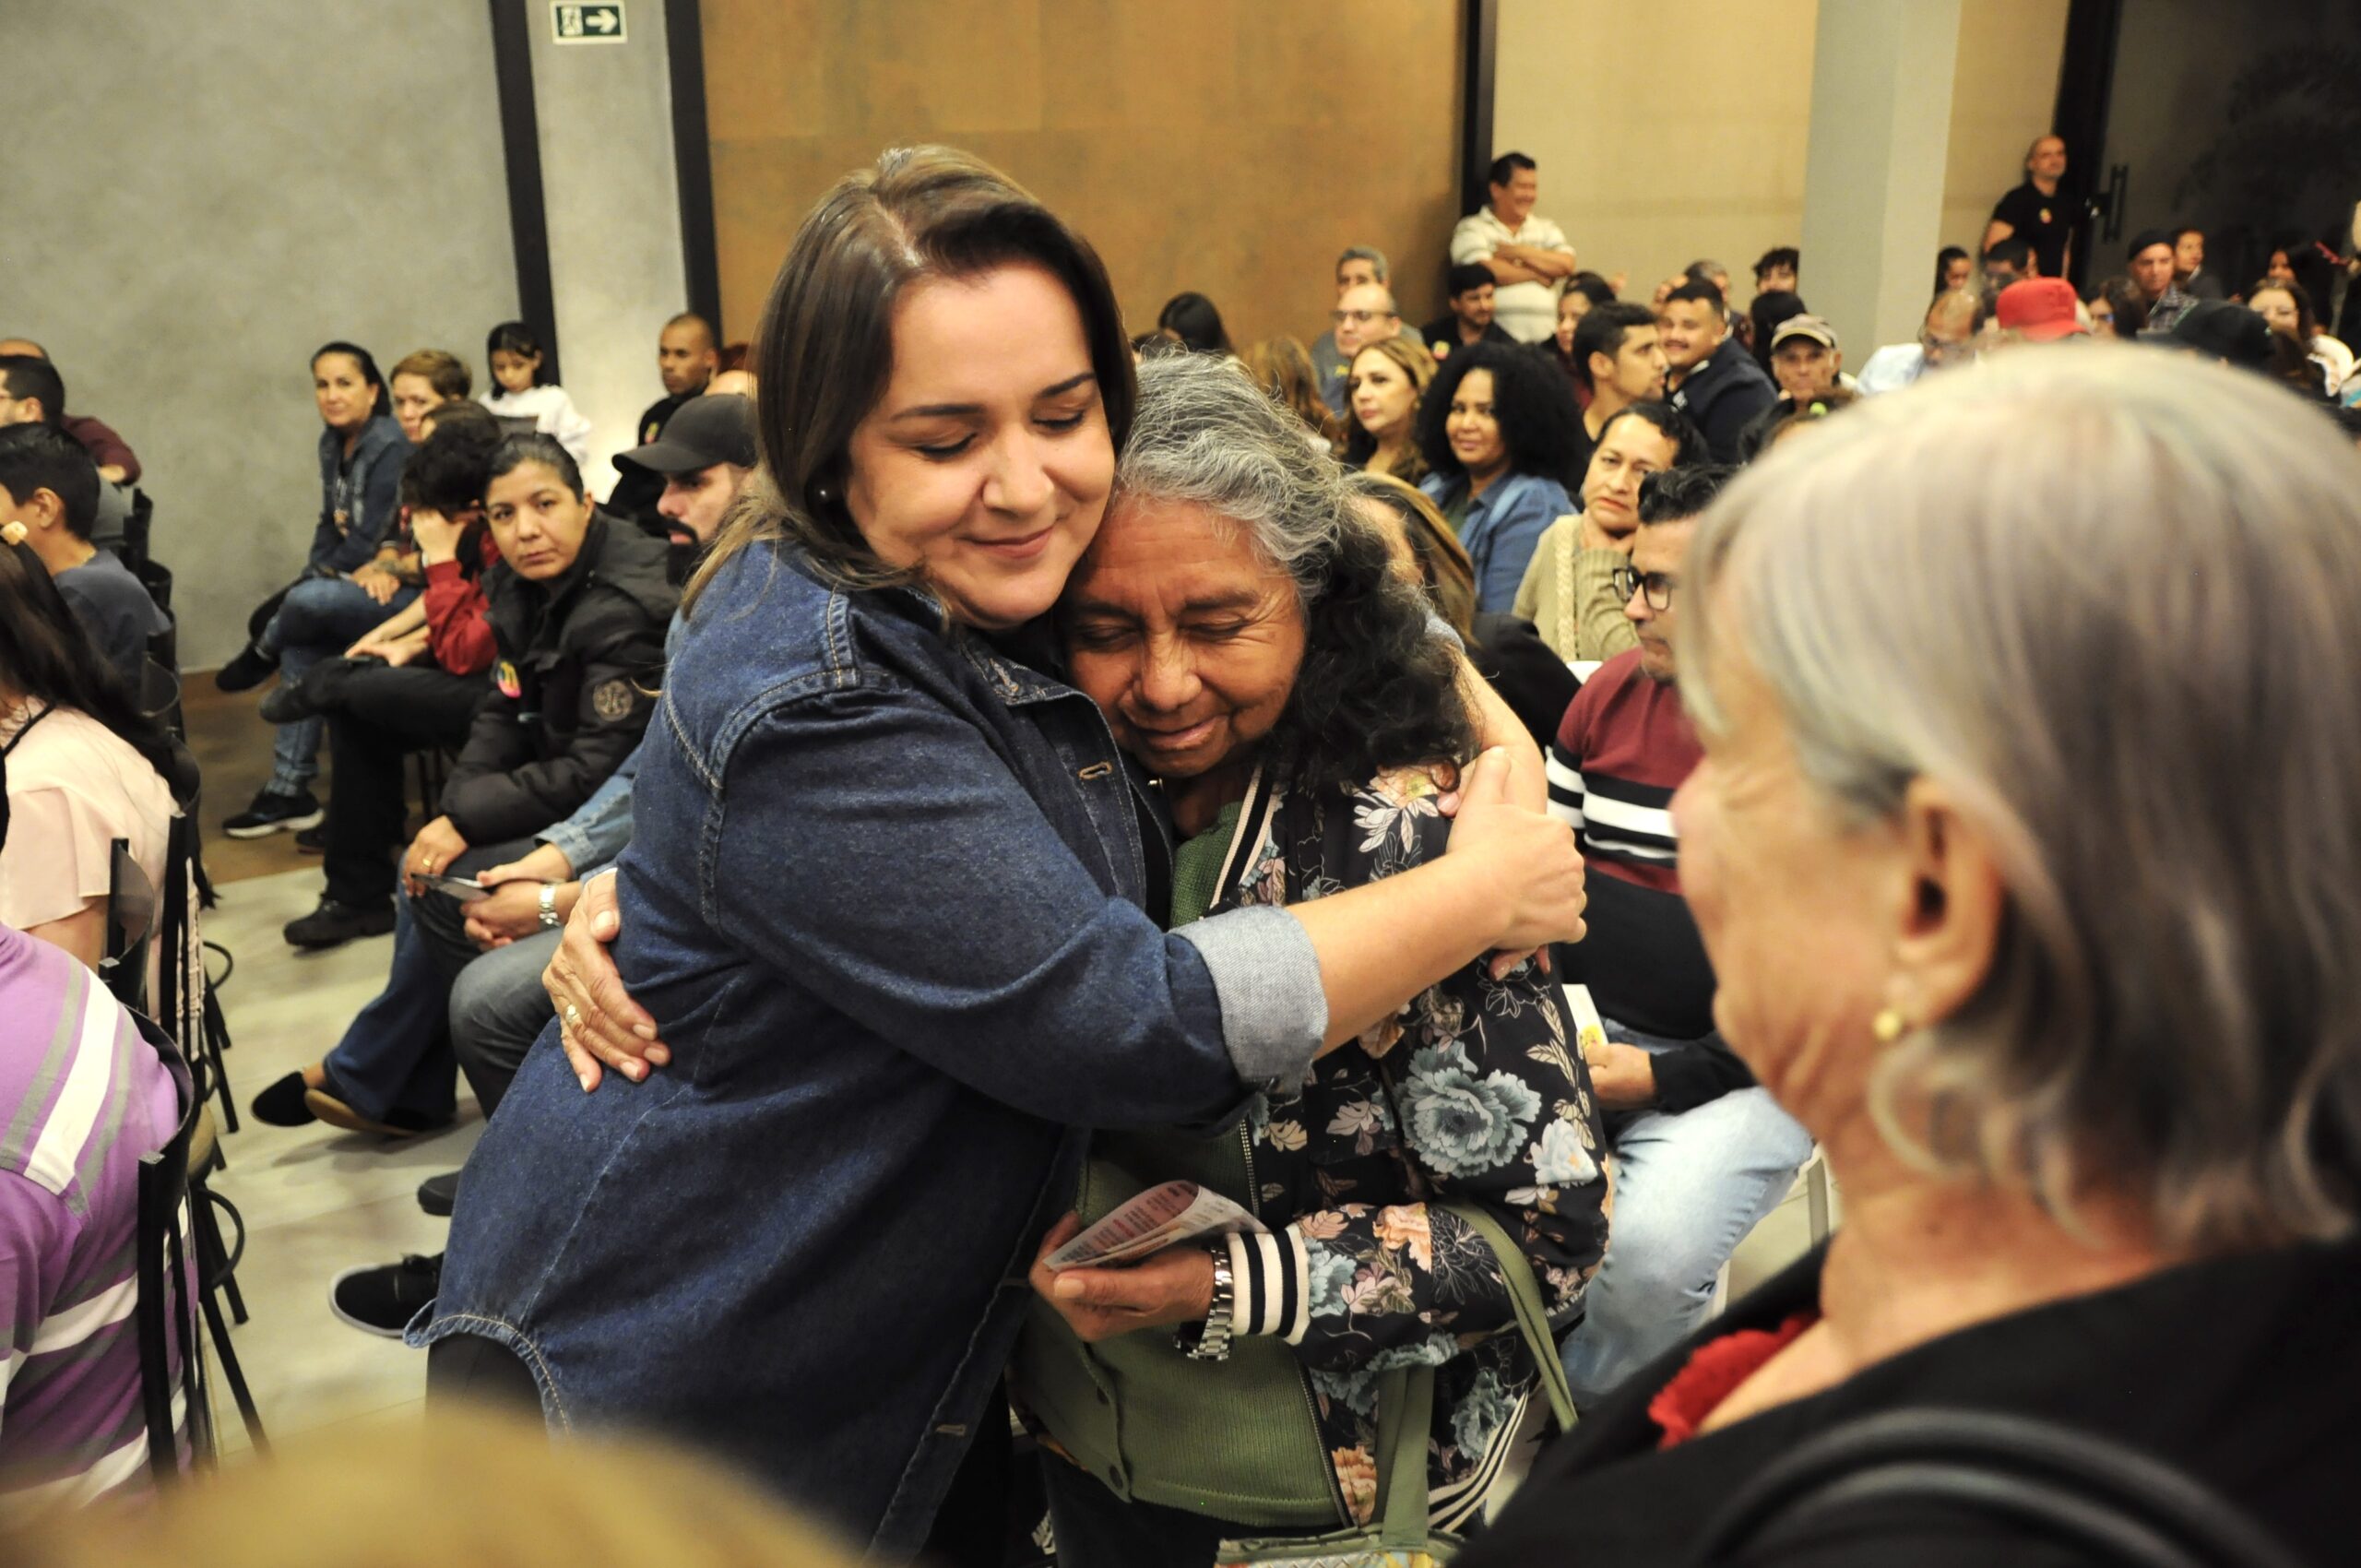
[(1412, 786)]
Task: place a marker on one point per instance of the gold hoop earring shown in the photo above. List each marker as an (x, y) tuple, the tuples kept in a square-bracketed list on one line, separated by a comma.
[(1889, 1025)]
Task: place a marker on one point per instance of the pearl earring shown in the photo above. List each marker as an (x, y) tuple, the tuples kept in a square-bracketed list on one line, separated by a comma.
[(1889, 1025)]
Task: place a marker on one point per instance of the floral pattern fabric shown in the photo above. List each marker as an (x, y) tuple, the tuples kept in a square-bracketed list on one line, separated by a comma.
[(1472, 1093)]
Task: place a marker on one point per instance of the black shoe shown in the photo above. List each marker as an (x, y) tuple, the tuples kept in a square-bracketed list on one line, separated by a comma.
[(249, 670), (437, 1194), (272, 813), (382, 1300), (281, 1105), (285, 704), (397, 1122), (313, 840), (333, 924)]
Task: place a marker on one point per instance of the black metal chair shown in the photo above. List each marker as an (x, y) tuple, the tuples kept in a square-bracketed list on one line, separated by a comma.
[(184, 1268), (171, 1362), (131, 928)]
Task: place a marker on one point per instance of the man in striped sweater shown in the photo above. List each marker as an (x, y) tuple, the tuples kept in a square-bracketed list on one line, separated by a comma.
[(83, 1095), (1702, 1153)]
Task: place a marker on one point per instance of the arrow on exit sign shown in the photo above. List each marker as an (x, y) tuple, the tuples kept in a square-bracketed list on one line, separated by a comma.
[(587, 23)]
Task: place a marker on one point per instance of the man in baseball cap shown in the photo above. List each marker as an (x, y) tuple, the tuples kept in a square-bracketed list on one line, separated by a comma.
[(2041, 310), (1810, 369), (702, 459)]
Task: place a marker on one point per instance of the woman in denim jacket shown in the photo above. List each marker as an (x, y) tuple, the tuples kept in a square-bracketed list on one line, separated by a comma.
[(1245, 633), (1497, 428), (886, 893)]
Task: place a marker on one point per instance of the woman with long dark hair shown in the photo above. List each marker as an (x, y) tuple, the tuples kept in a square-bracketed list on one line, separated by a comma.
[(1499, 431), (340, 595), (1192, 319), (1307, 753), (86, 766), (872, 819)]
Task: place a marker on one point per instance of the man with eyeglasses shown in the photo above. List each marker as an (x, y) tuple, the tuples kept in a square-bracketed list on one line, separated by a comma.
[(1947, 338), (1702, 1151), (1365, 313), (1357, 266)]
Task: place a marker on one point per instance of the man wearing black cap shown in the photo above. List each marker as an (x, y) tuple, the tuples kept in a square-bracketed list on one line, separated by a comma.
[(2152, 260), (686, 358), (697, 467)]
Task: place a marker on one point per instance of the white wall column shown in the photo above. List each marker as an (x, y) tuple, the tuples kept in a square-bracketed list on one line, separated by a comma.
[(613, 208), (1874, 174)]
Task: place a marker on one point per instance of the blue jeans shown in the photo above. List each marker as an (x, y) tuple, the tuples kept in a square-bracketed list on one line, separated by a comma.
[(319, 618), (1688, 1188), (397, 1055)]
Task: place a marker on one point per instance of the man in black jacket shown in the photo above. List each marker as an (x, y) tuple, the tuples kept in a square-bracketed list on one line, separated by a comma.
[(579, 606), (686, 357), (1716, 381)]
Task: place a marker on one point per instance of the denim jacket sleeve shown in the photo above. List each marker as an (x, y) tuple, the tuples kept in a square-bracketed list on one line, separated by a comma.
[(377, 484), (1524, 516), (600, 827), (910, 882)]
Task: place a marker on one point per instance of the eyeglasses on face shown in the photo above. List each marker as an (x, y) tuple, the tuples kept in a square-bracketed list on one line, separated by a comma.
[(1360, 317), (1655, 587)]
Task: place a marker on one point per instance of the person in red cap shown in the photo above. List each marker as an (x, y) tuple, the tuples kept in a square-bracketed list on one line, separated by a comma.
[(2041, 310)]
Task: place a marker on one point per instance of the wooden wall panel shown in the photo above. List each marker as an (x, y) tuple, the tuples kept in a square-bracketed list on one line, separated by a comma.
[(1232, 146)]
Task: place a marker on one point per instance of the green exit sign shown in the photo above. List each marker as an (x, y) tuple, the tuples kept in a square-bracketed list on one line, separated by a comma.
[(600, 23)]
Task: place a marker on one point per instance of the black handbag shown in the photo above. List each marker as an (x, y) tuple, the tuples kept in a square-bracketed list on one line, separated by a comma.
[(2075, 1488)]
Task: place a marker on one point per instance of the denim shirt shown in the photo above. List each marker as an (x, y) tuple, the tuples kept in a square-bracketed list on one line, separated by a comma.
[(600, 827), (885, 898), (372, 497), (1504, 526)]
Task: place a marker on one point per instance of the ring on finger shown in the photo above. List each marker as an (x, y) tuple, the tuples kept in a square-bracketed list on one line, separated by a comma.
[(573, 1016)]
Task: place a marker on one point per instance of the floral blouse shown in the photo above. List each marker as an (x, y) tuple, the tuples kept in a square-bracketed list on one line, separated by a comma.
[(1472, 1093)]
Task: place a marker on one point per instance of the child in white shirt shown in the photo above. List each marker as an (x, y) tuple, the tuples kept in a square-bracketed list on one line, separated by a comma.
[(517, 391)]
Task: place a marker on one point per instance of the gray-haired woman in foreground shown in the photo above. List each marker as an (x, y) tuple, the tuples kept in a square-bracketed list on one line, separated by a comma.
[(2027, 854)]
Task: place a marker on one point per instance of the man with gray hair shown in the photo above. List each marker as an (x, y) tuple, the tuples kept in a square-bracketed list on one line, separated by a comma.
[(1702, 1152), (1357, 266)]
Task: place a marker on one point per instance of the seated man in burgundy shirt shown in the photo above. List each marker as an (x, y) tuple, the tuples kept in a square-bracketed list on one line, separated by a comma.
[(1701, 1152), (117, 463)]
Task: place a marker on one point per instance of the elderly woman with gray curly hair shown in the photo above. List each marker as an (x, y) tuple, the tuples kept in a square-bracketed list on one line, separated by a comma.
[(1246, 636), (2026, 851)]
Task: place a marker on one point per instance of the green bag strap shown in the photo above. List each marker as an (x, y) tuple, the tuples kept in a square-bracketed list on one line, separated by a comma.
[(1532, 1317), (1406, 1403)]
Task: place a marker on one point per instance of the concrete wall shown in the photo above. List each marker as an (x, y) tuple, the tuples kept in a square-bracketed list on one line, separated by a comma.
[(1679, 130), (1880, 126), (199, 196), (613, 208)]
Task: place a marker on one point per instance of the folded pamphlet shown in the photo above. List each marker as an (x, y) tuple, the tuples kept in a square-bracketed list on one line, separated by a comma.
[(1159, 1218)]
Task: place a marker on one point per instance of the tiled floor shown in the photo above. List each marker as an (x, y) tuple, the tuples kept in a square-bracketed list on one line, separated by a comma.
[(316, 1201)]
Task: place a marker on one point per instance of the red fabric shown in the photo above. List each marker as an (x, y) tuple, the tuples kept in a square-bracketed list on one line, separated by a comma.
[(1712, 1374), (105, 447), (458, 633)]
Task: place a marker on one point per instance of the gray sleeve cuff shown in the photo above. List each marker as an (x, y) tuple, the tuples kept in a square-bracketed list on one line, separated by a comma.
[(1266, 974)]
